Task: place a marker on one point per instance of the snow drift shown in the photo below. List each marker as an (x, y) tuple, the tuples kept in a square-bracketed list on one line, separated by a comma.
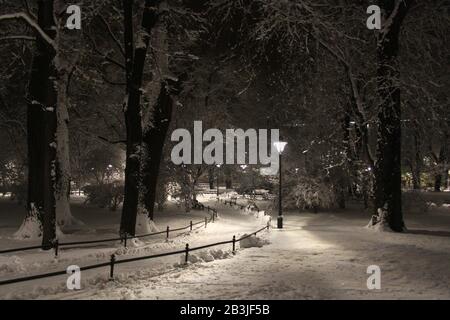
[(253, 242)]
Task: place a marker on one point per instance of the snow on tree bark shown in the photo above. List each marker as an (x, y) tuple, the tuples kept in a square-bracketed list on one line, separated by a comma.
[(64, 215), (156, 120), (133, 120), (41, 125), (387, 190)]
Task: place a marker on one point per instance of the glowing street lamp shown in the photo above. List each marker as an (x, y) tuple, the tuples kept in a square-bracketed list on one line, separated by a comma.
[(280, 145)]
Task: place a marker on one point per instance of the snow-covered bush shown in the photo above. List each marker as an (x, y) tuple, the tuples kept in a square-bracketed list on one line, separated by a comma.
[(251, 181), (308, 194), (109, 195)]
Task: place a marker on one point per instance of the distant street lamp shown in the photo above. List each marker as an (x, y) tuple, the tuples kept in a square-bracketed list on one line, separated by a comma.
[(280, 145), (218, 173)]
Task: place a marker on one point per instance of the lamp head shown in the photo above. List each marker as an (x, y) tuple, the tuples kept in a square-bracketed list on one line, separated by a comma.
[(280, 145)]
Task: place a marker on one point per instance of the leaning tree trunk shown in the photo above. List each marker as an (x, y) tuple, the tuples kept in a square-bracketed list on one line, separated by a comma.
[(157, 116), (153, 146), (388, 193), (132, 111)]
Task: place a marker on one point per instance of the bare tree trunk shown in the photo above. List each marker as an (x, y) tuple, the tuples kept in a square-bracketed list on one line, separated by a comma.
[(157, 116), (388, 193), (153, 144), (41, 125), (63, 173), (133, 120), (128, 39)]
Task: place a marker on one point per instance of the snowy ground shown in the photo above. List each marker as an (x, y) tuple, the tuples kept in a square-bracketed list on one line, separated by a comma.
[(316, 256), (34, 262)]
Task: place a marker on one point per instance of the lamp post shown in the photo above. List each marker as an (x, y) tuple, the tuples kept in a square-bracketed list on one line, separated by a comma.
[(280, 145), (218, 174)]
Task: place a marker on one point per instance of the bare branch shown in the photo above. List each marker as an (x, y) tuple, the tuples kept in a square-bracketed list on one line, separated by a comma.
[(111, 34), (32, 23), (25, 38), (112, 141)]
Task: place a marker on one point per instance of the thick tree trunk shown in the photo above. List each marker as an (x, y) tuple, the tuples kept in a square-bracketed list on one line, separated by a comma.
[(128, 39), (157, 116), (133, 121), (63, 173), (50, 130), (41, 125), (153, 146), (388, 193), (35, 119)]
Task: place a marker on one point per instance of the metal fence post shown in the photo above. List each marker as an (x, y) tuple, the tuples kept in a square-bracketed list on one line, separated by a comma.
[(213, 217), (111, 270), (190, 225), (187, 253), (206, 221), (234, 244), (167, 232), (125, 240)]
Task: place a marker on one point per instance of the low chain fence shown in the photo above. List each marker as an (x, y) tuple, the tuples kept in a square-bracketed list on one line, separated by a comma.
[(114, 261), (124, 239)]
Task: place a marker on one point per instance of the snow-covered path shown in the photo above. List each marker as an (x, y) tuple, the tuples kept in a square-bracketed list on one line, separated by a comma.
[(315, 257)]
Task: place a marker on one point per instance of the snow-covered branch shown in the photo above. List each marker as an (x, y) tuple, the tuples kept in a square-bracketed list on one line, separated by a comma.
[(26, 38), (32, 23)]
